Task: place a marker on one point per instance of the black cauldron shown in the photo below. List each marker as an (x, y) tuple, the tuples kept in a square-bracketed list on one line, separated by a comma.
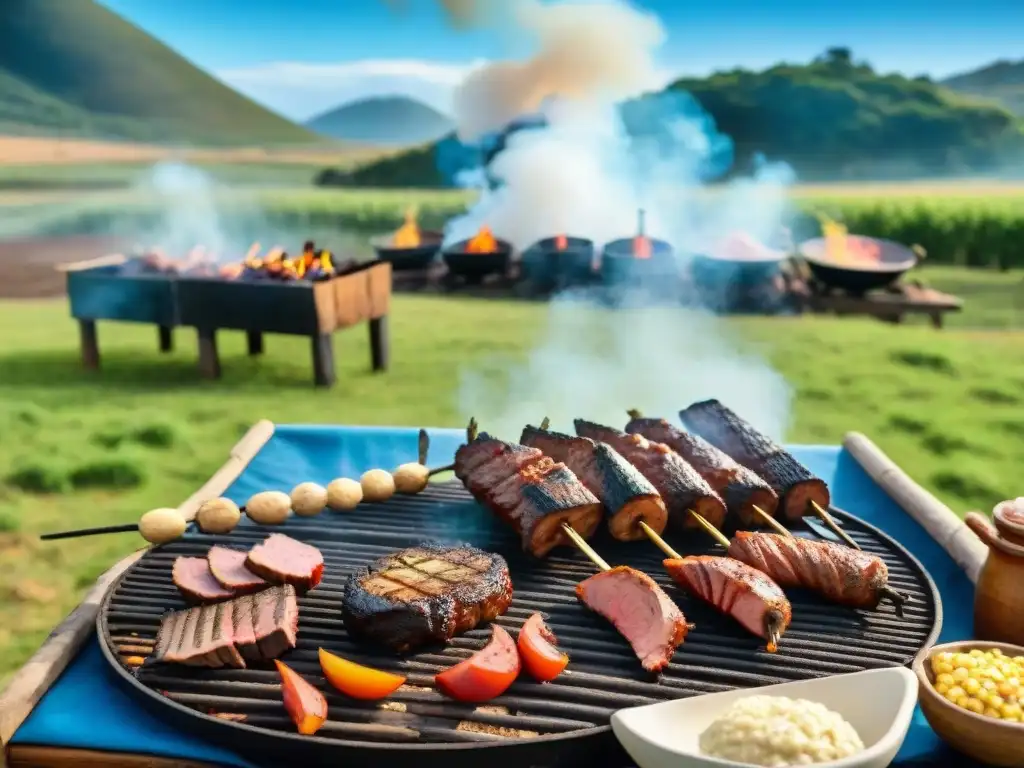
[(858, 276), (551, 265), (419, 257), (620, 266), (474, 267)]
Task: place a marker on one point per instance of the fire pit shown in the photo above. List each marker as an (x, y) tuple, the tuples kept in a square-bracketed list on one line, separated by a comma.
[(734, 272), (478, 257), (409, 248), (854, 263), (639, 262), (559, 262)]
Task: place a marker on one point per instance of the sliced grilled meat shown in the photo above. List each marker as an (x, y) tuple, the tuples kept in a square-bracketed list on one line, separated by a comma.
[(838, 573), (640, 610), (680, 485), (191, 575), (425, 594), (736, 589), (228, 568), (275, 621), (794, 483), (740, 488), (627, 496), (530, 492), (281, 559)]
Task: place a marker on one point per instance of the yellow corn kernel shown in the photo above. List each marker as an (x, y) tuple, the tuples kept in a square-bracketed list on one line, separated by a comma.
[(996, 652), (988, 685), (995, 701), (942, 688), (989, 712), (959, 674), (974, 705), (976, 652), (972, 685), (962, 700), (955, 693), (1005, 689), (943, 667), (1010, 711)]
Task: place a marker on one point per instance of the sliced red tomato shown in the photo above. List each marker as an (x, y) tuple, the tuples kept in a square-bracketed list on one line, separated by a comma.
[(306, 706), (537, 648), (358, 681), (486, 674)]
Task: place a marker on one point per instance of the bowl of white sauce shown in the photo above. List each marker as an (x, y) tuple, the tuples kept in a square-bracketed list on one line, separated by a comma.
[(844, 721)]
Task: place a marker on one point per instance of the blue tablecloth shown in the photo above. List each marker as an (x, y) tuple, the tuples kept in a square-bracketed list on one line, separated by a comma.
[(88, 708)]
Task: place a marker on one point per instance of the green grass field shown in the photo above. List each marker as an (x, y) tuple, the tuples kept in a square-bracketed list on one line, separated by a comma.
[(145, 432)]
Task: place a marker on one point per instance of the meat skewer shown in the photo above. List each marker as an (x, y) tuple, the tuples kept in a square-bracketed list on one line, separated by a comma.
[(838, 573), (628, 496), (680, 485), (800, 492), (734, 588), (740, 488)]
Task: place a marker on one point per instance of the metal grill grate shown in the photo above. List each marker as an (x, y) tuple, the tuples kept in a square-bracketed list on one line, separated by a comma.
[(558, 723)]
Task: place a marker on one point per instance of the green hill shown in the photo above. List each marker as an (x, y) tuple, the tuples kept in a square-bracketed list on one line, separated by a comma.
[(1001, 81), (383, 121), (75, 68)]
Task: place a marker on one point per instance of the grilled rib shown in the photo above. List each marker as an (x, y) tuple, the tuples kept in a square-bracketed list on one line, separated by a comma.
[(680, 485), (627, 496), (795, 485)]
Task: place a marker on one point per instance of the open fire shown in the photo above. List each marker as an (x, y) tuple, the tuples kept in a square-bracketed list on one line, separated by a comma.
[(641, 243), (844, 248), (408, 235), (276, 264), (482, 242)]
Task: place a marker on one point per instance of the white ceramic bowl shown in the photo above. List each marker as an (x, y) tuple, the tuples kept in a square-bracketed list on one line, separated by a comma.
[(879, 704)]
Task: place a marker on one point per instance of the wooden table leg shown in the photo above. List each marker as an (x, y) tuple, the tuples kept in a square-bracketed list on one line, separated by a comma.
[(380, 343), (89, 343), (936, 318), (323, 359), (254, 342), (166, 336), (209, 360)]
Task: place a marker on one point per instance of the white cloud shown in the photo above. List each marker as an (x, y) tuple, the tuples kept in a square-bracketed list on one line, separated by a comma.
[(301, 90)]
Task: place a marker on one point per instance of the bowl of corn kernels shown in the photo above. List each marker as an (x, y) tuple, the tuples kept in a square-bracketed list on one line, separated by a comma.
[(972, 694)]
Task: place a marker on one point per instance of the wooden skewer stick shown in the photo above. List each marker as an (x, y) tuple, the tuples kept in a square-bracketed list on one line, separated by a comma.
[(585, 548), (545, 424), (123, 528), (715, 533), (471, 432), (659, 542), (779, 527), (826, 518)]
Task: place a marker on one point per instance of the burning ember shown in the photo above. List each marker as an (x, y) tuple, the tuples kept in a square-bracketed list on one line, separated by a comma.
[(408, 235), (641, 243), (561, 242), (276, 264), (843, 248), (482, 242)]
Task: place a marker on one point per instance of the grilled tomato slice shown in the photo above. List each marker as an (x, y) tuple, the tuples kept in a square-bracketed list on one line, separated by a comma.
[(537, 648), (357, 681), (486, 674), (306, 706)]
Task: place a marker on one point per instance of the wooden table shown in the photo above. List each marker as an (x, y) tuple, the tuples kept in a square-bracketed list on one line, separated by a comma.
[(889, 306)]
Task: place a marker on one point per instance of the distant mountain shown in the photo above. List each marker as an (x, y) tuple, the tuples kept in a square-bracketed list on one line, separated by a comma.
[(383, 120), (1002, 81), (73, 67)]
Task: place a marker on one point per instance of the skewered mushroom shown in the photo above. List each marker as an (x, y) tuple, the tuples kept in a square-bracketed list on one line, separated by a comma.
[(308, 499), (218, 516), (159, 526), (344, 494), (413, 477), (269, 507), (378, 485)]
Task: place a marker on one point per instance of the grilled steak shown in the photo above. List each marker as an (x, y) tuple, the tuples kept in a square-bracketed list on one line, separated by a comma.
[(192, 577), (252, 627), (680, 485), (627, 496), (740, 488), (425, 594), (529, 491), (838, 573), (640, 611), (228, 568), (281, 559), (791, 480), (736, 589)]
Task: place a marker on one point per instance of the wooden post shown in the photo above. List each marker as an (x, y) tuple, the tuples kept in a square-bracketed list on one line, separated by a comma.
[(90, 344), (254, 342), (323, 359), (380, 343), (166, 336), (209, 361)]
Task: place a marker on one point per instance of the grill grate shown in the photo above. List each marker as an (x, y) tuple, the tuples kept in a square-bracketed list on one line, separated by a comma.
[(532, 725)]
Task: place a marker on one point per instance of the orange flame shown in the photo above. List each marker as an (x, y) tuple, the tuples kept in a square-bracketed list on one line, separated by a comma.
[(561, 242), (482, 242), (408, 235), (842, 247), (641, 247)]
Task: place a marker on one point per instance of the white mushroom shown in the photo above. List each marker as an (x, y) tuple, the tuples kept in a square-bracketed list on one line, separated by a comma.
[(159, 526), (269, 507), (218, 516), (344, 494), (378, 485), (308, 499), (411, 477)]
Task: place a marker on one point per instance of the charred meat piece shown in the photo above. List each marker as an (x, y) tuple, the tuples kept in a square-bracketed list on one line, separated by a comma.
[(228, 568), (640, 610), (680, 485), (838, 573), (740, 488), (192, 577), (281, 559), (791, 480), (530, 492), (275, 621), (425, 594), (736, 589), (626, 494)]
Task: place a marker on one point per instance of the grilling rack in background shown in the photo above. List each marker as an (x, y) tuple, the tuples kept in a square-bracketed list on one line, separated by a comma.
[(558, 724)]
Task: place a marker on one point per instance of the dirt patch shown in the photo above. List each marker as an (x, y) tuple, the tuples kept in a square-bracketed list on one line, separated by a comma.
[(28, 267)]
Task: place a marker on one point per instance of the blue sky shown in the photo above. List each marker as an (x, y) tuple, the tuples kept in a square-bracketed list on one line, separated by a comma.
[(302, 56)]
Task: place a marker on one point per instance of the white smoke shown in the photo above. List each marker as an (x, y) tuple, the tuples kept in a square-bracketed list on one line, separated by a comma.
[(586, 175)]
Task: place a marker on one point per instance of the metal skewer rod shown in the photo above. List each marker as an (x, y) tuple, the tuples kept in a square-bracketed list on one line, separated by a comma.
[(779, 527), (826, 518), (659, 542), (715, 533), (585, 548), (124, 528)]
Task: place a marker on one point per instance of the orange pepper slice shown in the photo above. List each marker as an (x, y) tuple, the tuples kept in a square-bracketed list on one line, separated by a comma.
[(357, 681), (306, 706)]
